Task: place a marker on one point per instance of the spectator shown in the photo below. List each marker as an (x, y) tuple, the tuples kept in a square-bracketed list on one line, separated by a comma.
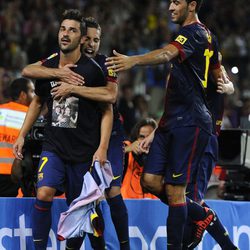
[(131, 187), (126, 107), (12, 115)]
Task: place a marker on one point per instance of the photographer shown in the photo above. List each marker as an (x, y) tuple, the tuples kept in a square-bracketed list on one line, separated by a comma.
[(134, 161)]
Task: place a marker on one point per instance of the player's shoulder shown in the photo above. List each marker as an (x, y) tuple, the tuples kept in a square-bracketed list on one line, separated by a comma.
[(197, 32), (100, 57), (51, 60), (88, 67), (90, 63), (185, 33)]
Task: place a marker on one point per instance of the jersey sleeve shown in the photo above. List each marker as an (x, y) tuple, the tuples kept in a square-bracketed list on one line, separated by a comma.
[(42, 86), (185, 43), (98, 77), (109, 74), (214, 61)]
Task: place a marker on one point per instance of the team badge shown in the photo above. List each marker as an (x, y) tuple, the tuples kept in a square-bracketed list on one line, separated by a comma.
[(181, 39), (209, 38), (40, 176), (111, 73)]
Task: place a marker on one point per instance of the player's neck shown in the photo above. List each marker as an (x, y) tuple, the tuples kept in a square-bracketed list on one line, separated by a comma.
[(69, 58), (191, 19)]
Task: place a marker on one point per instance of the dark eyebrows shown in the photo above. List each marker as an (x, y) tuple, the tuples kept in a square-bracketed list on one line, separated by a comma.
[(70, 28)]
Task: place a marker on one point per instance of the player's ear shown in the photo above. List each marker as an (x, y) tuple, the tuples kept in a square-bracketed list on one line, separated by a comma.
[(192, 6), (22, 96), (83, 39)]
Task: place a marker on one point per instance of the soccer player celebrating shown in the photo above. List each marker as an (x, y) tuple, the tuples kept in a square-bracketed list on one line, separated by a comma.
[(185, 127), (70, 146), (108, 94)]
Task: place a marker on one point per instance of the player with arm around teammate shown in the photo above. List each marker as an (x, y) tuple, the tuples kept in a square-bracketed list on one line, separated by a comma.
[(108, 94), (69, 149), (184, 130)]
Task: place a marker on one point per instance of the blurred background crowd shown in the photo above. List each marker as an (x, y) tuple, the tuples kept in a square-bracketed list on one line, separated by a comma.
[(28, 33)]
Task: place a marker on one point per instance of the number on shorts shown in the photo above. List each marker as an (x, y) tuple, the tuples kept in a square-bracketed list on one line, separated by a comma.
[(45, 160)]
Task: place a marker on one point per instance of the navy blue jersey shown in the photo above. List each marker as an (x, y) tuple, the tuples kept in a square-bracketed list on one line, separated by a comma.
[(110, 76), (216, 105), (73, 125), (185, 103)]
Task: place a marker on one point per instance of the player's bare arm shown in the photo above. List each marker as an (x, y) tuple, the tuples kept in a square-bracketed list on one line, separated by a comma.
[(121, 62), (145, 143), (106, 128), (107, 93), (37, 71), (30, 118)]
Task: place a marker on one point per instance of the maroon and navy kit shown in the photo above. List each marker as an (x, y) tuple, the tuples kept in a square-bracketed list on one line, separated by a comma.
[(115, 150), (196, 191), (186, 124)]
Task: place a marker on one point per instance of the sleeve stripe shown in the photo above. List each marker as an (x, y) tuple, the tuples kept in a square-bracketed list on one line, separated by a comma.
[(111, 79), (214, 66), (180, 48)]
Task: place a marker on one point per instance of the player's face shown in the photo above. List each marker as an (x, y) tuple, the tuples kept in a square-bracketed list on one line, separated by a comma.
[(69, 36), (92, 42), (179, 11)]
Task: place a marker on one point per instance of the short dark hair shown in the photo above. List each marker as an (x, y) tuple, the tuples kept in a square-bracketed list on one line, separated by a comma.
[(91, 22), (17, 86), (144, 122), (74, 14), (198, 5)]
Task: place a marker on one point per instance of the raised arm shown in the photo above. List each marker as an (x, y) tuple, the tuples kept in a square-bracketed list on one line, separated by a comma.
[(30, 118), (121, 62)]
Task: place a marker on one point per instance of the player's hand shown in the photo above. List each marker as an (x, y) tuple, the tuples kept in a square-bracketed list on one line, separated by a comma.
[(65, 74), (101, 156), (221, 86), (61, 91), (145, 143), (119, 62), (134, 147), (224, 85), (228, 87), (18, 147)]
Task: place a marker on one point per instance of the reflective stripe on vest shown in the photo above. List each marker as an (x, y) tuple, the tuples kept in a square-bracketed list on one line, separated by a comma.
[(11, 119)]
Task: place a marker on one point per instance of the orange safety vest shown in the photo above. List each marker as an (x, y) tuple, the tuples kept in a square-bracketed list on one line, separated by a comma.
[(12, 116), (131, 187)]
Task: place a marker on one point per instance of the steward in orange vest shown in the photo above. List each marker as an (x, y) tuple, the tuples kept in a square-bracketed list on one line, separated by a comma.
[(12, 115)]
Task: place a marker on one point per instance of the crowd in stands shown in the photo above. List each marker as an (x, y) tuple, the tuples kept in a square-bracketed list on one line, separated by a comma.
[(28, 33)]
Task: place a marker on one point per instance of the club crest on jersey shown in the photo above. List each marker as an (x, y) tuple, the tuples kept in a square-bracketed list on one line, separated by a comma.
[(181, 39), (209, 38), (111, 73)]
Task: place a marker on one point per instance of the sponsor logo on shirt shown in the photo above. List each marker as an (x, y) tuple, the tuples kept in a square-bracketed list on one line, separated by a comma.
[(181, 39)]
